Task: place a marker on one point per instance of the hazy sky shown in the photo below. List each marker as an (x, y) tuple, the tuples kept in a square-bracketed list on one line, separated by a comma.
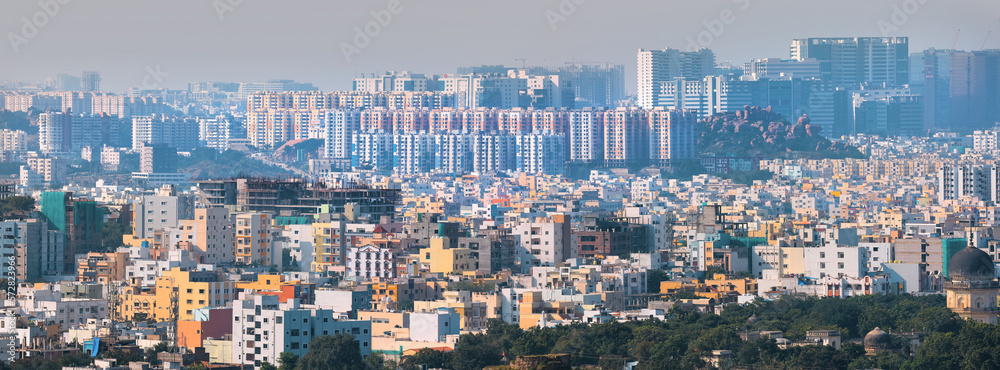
[(172, 42)]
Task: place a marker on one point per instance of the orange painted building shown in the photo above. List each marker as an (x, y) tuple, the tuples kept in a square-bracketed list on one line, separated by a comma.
[(215, 323), (276, 286)]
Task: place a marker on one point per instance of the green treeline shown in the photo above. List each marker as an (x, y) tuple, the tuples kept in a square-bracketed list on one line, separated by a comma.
[(680, 341)]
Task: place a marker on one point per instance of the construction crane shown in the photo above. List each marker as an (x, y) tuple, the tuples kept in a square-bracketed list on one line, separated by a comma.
[(523, 62), (985, 40), (955, 43)]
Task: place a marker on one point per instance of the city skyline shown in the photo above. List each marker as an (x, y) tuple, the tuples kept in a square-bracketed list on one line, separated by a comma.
[(189, 41)]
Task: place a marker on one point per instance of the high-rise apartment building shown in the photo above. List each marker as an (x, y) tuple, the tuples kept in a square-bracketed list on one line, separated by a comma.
[(180, 133), (964, 181), (657, 66), (586, 137), (61, 132), (340, 125), (215, 133), (210, 234), (672, 136), (626, 137)]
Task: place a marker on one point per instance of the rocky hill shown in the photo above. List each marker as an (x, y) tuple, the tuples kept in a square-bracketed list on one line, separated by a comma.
[(759, 132)]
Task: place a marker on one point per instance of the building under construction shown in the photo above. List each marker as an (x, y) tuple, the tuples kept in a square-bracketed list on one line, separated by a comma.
[(292, 197)]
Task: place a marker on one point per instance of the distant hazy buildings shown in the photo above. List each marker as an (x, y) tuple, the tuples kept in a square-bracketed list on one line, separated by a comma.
[(512, 88), (91, 81), (826, 105), (66, 82), (777, 68), (82, 103), (593, 85), (852, 61), (961, 89), (248, 88), (887, 111)]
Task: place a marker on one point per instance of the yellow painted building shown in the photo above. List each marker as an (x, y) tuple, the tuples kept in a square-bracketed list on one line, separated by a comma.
[(441, 259), (793, 261), (723, 284), (193, 290), (265, 283), (533, 307), (473, 314), (330, 245), (135, 301)]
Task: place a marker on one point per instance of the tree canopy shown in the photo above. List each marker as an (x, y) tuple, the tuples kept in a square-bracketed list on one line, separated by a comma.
[(335, 352), (685, 336)]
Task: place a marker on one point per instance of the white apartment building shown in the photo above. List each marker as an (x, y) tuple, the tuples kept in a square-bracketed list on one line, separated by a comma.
[(434, 326), (340, 125), (180, 133), (541, 154), (586, 135), (54, 309), (263, 328), (657, 66), (215, 133), (493, 153), (836, 261), (543, 243), (13, 141), (156, 212), (367, 262)]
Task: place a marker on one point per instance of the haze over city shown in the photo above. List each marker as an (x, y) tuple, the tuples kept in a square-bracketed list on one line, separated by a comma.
[(502, 185), (300, 40)]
